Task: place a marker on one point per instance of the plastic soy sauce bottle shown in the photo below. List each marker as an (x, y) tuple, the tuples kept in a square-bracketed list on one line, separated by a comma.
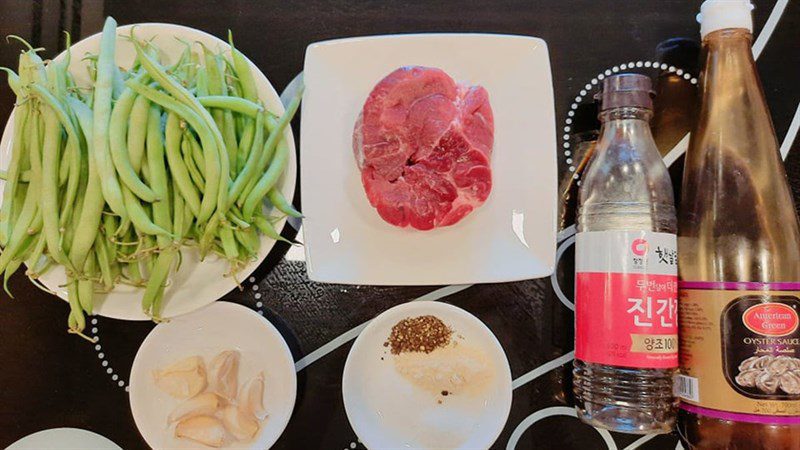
[(739, 265), (626, 271)]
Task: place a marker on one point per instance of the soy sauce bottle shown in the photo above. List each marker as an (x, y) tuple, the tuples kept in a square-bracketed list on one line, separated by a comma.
[(626, 271)]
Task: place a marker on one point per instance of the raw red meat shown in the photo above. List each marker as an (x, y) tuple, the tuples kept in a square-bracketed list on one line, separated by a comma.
[(423, 144)]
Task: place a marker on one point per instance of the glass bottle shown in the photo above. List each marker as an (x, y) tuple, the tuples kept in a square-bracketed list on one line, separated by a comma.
[(585, 128), (626, 272), (739, 257), (673, 113)]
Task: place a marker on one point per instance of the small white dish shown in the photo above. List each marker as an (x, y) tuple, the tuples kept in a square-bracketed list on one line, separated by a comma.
[(64, 439), (197, 283), (510, 237), (206, 332), (387, 411)]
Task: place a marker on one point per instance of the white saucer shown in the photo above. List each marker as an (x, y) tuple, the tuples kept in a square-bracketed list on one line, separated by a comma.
[(387, 411), (64, 439), (206, 332)]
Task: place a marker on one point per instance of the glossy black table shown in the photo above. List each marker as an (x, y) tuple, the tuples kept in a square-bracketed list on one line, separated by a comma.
[(51, 379)]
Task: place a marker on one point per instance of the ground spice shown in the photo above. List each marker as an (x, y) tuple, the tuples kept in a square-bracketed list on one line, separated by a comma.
[(418, 334)]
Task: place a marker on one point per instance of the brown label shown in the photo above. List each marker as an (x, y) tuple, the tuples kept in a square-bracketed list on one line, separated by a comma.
[(740, 352)]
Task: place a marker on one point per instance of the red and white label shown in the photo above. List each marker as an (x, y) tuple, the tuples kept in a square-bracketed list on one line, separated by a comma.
[(771, 319), (626, 299)]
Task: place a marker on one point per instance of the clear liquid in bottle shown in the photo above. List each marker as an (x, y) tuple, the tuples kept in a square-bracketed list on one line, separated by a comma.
[(626, 272)]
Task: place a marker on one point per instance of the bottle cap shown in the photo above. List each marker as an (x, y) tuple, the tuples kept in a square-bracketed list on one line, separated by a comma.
[(626, 90), (720, 14)]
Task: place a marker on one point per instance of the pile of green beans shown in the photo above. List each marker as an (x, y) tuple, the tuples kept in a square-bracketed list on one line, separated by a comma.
[(112, 180)]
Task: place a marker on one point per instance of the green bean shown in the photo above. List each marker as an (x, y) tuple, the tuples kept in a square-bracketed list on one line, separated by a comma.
[(139, 217), (92, 208), (20, 120), (86, 287), (13, 81), (30, 208), (196, 152), (223, 118), (207, 238), (228, 243), (36, 224), (279, 201), (266, 227), (245, 144), (267, 181), (158, 174), (137, 132), (158, 276), (39, 244), (194, 171), (180, 173), (49, 194), (276, 136), (248, 238), (248, 172), (230, 103), (236, 220), (76, 311), (101, 152), (201, 83), (178, 215), (118, 81), (118, 130), (242, 67), (103, 261), (73, 148)]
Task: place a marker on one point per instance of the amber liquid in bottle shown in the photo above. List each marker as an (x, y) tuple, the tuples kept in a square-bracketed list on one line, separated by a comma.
[(737, 220)]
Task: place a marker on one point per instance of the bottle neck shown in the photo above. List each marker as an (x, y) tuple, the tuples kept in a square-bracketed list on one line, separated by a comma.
[(728, 63), (628, 125)]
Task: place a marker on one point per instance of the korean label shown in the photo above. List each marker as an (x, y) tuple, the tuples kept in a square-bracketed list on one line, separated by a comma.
[(626, 299)]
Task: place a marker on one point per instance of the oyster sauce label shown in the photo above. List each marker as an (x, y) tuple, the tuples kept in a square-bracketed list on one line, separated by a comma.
[(626, 302), (740, 351)]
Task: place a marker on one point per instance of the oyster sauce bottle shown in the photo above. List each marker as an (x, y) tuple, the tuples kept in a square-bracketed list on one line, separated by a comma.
[(739, 257)]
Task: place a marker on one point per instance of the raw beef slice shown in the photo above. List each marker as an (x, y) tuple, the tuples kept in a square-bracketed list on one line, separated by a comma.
[(423, 144)]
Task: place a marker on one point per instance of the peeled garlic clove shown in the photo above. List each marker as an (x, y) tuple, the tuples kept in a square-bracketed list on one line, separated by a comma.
[(183, 379), (241, 425), (203, 429), (251, 397), (224, 374), (205, 404)]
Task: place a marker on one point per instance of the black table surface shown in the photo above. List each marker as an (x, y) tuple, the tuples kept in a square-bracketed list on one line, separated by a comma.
[(51, 379)]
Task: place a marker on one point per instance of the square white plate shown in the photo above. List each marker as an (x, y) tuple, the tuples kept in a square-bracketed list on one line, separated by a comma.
[(510, 237)]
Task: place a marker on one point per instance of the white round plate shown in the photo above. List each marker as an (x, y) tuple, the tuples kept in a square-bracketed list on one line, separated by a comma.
[(206, 332), (64, 439), (197, 283), (386, 411)]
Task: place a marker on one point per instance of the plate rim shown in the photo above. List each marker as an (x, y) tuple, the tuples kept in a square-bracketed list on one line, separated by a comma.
[(547, 262), (504, 371), (289, 177), (239, 308)]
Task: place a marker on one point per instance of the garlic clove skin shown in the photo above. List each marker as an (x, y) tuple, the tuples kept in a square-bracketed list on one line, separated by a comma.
[(224, 374), (183, 379), (203, 429), (239, 424), (205, 404), (251, 397)]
